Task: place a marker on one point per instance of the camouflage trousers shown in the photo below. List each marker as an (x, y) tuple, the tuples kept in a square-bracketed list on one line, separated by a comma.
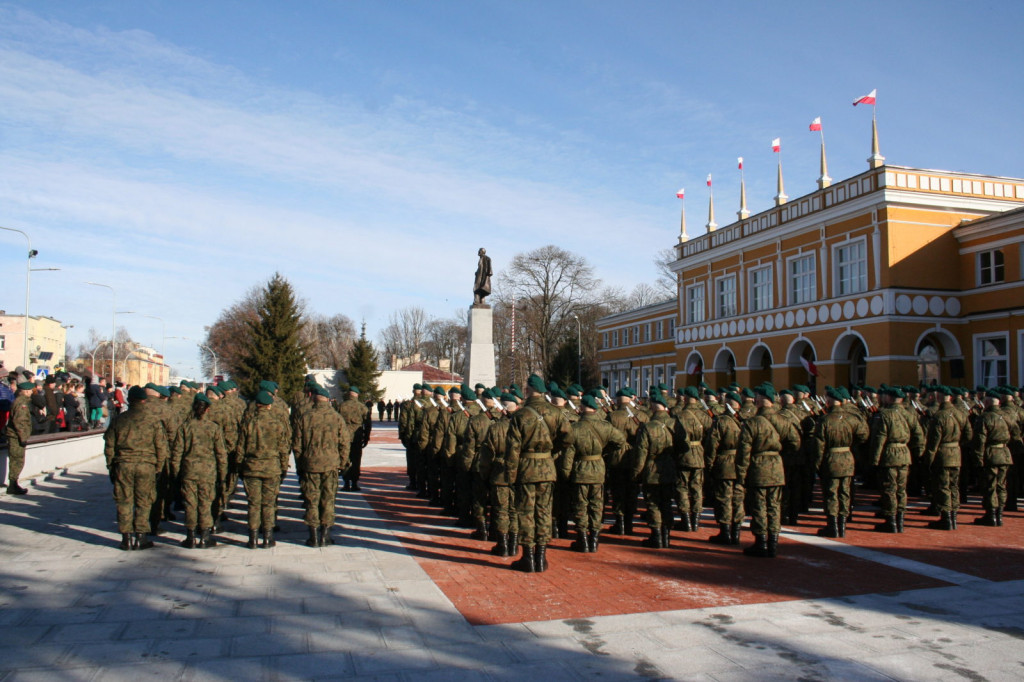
[(533, 508), (729, 496), (946, 493), (481, 494), (198, 495), (319, 494), (690, 490), (765, 506), (503, 503), (624, 492), (894, 489), (262, 496), (835, 493), (15, 459), (659, 503), (588, 506), (993, 492), (355, 467), (134, 492)]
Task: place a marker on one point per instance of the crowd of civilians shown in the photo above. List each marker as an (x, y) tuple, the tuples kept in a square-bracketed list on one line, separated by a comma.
[(61, 402)]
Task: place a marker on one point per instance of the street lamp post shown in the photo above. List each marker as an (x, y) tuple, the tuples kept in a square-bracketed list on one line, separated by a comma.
[(113, 330), (28, 282), (579, 350)]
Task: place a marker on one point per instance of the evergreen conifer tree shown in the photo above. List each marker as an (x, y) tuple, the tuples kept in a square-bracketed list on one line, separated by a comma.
[(274, 350), (362, 368)]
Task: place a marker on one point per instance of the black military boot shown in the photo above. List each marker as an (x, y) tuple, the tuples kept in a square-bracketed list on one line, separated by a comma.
[(481, 531), (841, 525), (126, 542), (654, 541), (952, 520), (695, 521), (580, 544), (14, 489), (325, 536), (888, 526), (999, 517), (540, 558), (989, 519), (734, 533), (899, 522), (251, 544), (208, 540), (759, 548), (627, 527), (666, 536), (773, 545), (942, 523), (314, 537), (563, 528), (513, 543), (619, 527), (190, 539), (684, 522), (724, 536), (501, 547), (525, 562), (592, 539), (268, 538), (831, 529), (142, 542)]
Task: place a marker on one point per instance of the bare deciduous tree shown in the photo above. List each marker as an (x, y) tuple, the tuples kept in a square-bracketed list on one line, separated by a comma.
[(666, 281), (328, 340), (405, 334)]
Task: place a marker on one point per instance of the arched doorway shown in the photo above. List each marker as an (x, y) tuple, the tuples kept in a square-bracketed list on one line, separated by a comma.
[(850, 355), (725, 367), (694, 369), (935, 348), (760, 365), (928, 363), (802, 361)]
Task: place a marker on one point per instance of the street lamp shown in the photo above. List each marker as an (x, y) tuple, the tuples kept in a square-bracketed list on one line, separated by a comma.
[(579, 350), (28, 281), (113, 330)]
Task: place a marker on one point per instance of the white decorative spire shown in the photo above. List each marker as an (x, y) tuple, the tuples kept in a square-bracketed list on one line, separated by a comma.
[(712, 225)]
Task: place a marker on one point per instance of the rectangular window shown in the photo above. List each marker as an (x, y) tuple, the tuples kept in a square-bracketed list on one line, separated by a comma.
[(615, 338), (647, 332), (761, 289), (801, 280), (990, 267), (851, 268), (3, 342), (659, 330), (727, 296), (636, 334), (604, 339), (993, 361), (695, 304), (647, 380)]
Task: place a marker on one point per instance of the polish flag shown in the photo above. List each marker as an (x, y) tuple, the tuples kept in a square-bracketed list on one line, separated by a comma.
[(816, 124), (709, 179), (811, 368), (866, 99), (679, 194), (741, 163), (777, 144), (694, 368)]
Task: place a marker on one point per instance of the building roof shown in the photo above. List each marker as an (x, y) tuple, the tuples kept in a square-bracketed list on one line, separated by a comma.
[(432, 374)]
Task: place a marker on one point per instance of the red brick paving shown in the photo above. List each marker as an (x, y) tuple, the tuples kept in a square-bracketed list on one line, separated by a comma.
[(622, 577)]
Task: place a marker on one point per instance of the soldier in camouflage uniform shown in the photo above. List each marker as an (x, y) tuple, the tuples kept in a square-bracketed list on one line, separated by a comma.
[(135, 447), (656, 462), (19, 428), (694, 423), (621, 483), (948, 431), (562, 504), (539, 434), (156, 401), (426, 425), (833, 440), (764, 438), (747, 409), (406, 427), (452, 441), (225, 414), (357, 419), (199, 462), (992, 436), (595, 444), (321, 443), (723, 441), (896, 440), (471, 489), (263, 452), (492, 468)]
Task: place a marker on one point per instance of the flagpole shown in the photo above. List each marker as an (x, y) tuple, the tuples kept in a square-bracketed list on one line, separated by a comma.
[(682, 218), (743, 213), (823, 180)]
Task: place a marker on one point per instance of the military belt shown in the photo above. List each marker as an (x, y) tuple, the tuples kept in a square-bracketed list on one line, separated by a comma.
[(727, 452), (536, 455), (767, 452), (692, 443), (836, 451), (590, 458)]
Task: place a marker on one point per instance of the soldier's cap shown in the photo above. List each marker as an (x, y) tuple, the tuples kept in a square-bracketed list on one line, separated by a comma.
[(628, 392), (264, 398), (708, 393), (572, 391), (663, 387), (733, 397), (589, 401), (185, 383), (454, 389), (980, 389), (943, 390), (194, 385), (766, 391), (833, 394), (536, 383), (470, 392), (869, 389), (801, 388), (214, 389), (175, 390), (910, 390), (705, 386), (136, 393), (230, 385), (897, 392), (152, 387), (556, 392), (507, 398), (659, 399), (747, 393), (691, 392), (843, 392), (490, 394), (479, 385), (267, 386), (596, 390), (622, 393), (427, 387), (991, 393), (514, 390), (354, 389), (417, 387), (320, 390), (681, 391), (552, 385), (439, 390), (201, 399), (577, 388), (163, 391), (786, 391), (26, 386)]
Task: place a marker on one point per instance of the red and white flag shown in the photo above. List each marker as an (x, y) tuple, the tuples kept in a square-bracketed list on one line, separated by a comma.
[(816, 124), (777, 144), (679, 194), (866, 99), (709, 179), (694, 368), (741, 163), (811, 368)]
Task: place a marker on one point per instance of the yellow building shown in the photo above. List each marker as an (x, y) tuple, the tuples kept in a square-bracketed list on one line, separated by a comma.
[(638, 347), (47, 340), (896, 275)]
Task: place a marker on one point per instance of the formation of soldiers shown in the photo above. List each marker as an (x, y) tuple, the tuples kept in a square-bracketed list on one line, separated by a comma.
[(518, 465), (191, 445)]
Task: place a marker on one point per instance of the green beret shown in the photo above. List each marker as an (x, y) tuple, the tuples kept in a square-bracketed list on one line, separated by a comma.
[(681, 391), (439, 390), (942, 390), (136, 393), (589, 401), (552, 385), (194, 385), (267, 386), (514, 387), (801, 388), (417, 387), (320, 390), (622, 393), (556, 392), (705, 386), (201, 399), (691, 392), (427, 387), (991, 393), (734, 386), (897, 392), (507, 398), (659, 399), (479, 385), (264, 398), (536, 383), (454, 389), (230, 385), (354, 389), (747, 393), (663, 387), (468, 392), (833, 394), (786, 391), (767, 391), (514, 390), (26, 386), (572, 391), (151, 386), (843, 392), (214, 389), (733, 397), (163, 391), (175, 390), (869, 389), (186, 383)]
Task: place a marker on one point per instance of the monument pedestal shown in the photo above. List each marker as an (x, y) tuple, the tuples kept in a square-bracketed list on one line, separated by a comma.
[(480, 360)]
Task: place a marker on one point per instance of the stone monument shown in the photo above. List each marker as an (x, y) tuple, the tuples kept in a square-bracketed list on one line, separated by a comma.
[(480, 357)]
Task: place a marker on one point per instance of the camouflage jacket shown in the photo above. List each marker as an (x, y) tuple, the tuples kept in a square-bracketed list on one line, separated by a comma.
[(321, 440), (595, 442), (357, 419), (723, 442), (425, 426), (222, 413), (747, 410), (453, 441), (694, 423), (491, 464), (992, 437), (136, 436), (628, 425), (264, 444), (948, 429), (764, 439), (19, 423), (199, 452), (476, 431), (896, 438), (835, 436), (538, 435), (656, 460)]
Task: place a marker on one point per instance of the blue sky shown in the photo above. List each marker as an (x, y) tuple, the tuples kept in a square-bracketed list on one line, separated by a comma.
[(184, 151)]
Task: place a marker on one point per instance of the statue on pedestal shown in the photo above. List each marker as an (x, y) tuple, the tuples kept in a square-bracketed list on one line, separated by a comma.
[(482, 282)]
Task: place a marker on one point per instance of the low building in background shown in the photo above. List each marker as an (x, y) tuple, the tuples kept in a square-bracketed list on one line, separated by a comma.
[(47, 340)]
